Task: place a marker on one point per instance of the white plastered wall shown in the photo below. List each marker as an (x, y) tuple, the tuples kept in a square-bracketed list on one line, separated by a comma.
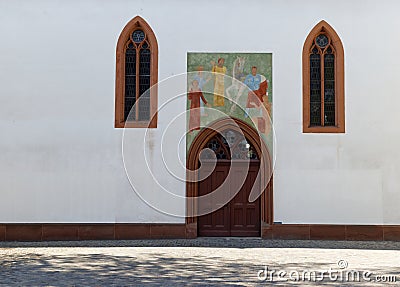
[(61, 158)]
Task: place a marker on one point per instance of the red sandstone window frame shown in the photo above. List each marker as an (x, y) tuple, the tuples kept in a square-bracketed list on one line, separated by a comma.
[(135, 23), (339, 127)]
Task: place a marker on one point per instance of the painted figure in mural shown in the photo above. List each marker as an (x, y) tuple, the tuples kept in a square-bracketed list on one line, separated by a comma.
[(202, 81), (195, 95), (219, 71), (258, 85), (236, 88)]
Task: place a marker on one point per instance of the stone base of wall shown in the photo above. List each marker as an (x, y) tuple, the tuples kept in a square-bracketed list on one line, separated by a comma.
[(332, 232), (49, 232), (126, 231)]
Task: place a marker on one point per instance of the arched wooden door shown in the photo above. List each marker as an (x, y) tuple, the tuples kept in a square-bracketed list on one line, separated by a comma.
[(238, 217)]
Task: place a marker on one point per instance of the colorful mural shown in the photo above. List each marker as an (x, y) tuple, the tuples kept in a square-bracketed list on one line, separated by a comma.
[(237, 85)]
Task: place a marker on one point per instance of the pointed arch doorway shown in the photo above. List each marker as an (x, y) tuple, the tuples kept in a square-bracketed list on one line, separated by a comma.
[(252, 219)]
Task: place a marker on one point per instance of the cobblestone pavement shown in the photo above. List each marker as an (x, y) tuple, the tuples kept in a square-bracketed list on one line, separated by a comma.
[(199, 262)]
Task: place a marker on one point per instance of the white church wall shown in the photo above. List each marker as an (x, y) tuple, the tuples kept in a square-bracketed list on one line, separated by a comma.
[(61, 158)]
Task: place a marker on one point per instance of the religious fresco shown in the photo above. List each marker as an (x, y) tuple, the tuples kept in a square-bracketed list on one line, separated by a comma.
[(237, 85)]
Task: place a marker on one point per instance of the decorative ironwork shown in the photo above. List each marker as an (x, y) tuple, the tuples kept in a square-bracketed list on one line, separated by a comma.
[(322, 41), (315, 88), (144, 84), (138, 36), (329, 88), (130, 81), (144, 70), (220, 150), (322, 82), (230, 145), (137, 77)]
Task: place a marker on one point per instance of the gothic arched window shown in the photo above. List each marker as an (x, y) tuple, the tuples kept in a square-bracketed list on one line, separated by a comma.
[(136, 72), (323, 81)]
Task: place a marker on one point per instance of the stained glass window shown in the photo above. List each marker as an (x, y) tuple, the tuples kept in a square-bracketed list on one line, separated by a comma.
[(137, 78), (322, 82)]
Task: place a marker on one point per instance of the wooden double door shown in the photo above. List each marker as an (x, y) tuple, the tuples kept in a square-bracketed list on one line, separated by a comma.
[(238, 217)]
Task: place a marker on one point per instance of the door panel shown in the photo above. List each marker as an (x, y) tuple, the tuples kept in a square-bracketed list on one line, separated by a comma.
[(217, 222), (238, 217), (246, 215)]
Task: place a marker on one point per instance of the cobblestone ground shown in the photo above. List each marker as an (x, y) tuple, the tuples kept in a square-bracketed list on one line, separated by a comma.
[(199, 262)]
